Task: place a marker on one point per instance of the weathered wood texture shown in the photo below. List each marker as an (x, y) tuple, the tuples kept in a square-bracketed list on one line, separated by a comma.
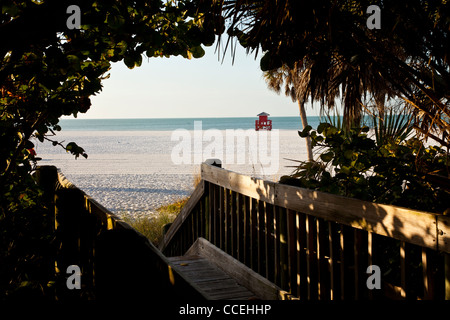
[(214, 283), (243, 275), (316, 245)]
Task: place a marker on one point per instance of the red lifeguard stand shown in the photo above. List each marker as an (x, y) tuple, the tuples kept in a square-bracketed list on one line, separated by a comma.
[(263, 123)]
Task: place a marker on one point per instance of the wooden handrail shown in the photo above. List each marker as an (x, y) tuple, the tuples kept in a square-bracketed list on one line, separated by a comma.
[(417, 227)]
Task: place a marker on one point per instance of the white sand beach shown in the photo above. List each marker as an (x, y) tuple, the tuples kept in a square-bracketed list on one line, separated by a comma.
[(135, 172)]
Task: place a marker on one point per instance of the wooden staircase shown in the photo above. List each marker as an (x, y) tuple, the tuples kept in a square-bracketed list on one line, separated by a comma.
[(214, 283), (221, 277)]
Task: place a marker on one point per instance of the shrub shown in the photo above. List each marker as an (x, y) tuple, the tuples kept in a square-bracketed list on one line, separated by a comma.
[(396, 171), (152, 226)]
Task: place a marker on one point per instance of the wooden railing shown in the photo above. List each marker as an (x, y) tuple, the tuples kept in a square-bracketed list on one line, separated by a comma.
[(313, 244), (117, 263)]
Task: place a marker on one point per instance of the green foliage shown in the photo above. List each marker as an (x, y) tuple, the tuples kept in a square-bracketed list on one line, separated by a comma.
[(394, 170), (48, 71), (152, 227)]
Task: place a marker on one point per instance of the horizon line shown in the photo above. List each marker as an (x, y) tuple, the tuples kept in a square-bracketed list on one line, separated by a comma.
[(73, 118)]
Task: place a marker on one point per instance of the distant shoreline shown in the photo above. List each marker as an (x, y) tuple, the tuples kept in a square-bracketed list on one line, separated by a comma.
[(170, 124)]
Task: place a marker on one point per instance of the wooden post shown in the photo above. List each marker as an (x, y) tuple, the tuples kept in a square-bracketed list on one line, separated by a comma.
[(370, 257), (211, 226), (211, 211), (254, 234), (302, 271), (240, 227), (270, 261), (222, 216), (447, 275), (68, 209), (261, 239), (403, 266), (360, 260), (331, 260), (282, 230), (233, 225), (276, 247), (47, 177), (247, 231), (292, 251), (228, 222), (323, 259), (206, 212), (311, 262), (343, 261)]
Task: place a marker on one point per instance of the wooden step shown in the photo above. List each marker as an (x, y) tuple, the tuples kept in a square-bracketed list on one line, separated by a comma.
[(220, 276), (214, 282)]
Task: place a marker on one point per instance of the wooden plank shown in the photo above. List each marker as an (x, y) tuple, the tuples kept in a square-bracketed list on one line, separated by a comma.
[(270, 261), (227, 232), (331, 261), (425, 273), (218, 284), (246, 185), (292, 245), (276, 247), (216, 210), (311, 262), (261, 239), (212, 281), (302, 273), (234, 228), (243, 275), (212, 212), (337, 244), (207, 211), (414, 226), (343, 261), (360, 263), (370, 257), (323, 259), (240, 227), (254, 234), (403, 269), (222, 218), (247, 232), (447, 276)]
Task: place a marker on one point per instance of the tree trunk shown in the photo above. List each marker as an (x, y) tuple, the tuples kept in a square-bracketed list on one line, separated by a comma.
[(301, 107)]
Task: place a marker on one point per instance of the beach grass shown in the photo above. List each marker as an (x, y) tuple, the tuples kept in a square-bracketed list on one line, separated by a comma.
[(151, 226)]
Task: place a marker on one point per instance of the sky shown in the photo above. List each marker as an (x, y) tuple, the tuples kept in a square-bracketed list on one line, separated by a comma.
[(180, 88)]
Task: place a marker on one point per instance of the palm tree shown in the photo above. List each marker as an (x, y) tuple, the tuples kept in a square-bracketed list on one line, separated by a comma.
[(290, 78), (338, 53)]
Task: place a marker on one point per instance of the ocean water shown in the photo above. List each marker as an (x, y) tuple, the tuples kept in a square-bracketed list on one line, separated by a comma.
[(170, 124)]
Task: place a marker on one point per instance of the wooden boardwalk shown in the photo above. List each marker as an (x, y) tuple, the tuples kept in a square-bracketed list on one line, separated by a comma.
[(239, 237), (212, 281), (221, 277)]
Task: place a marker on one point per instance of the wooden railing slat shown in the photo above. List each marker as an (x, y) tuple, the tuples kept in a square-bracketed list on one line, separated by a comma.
[(254, 234), (292, 245), (276, 247), (261, 238)]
